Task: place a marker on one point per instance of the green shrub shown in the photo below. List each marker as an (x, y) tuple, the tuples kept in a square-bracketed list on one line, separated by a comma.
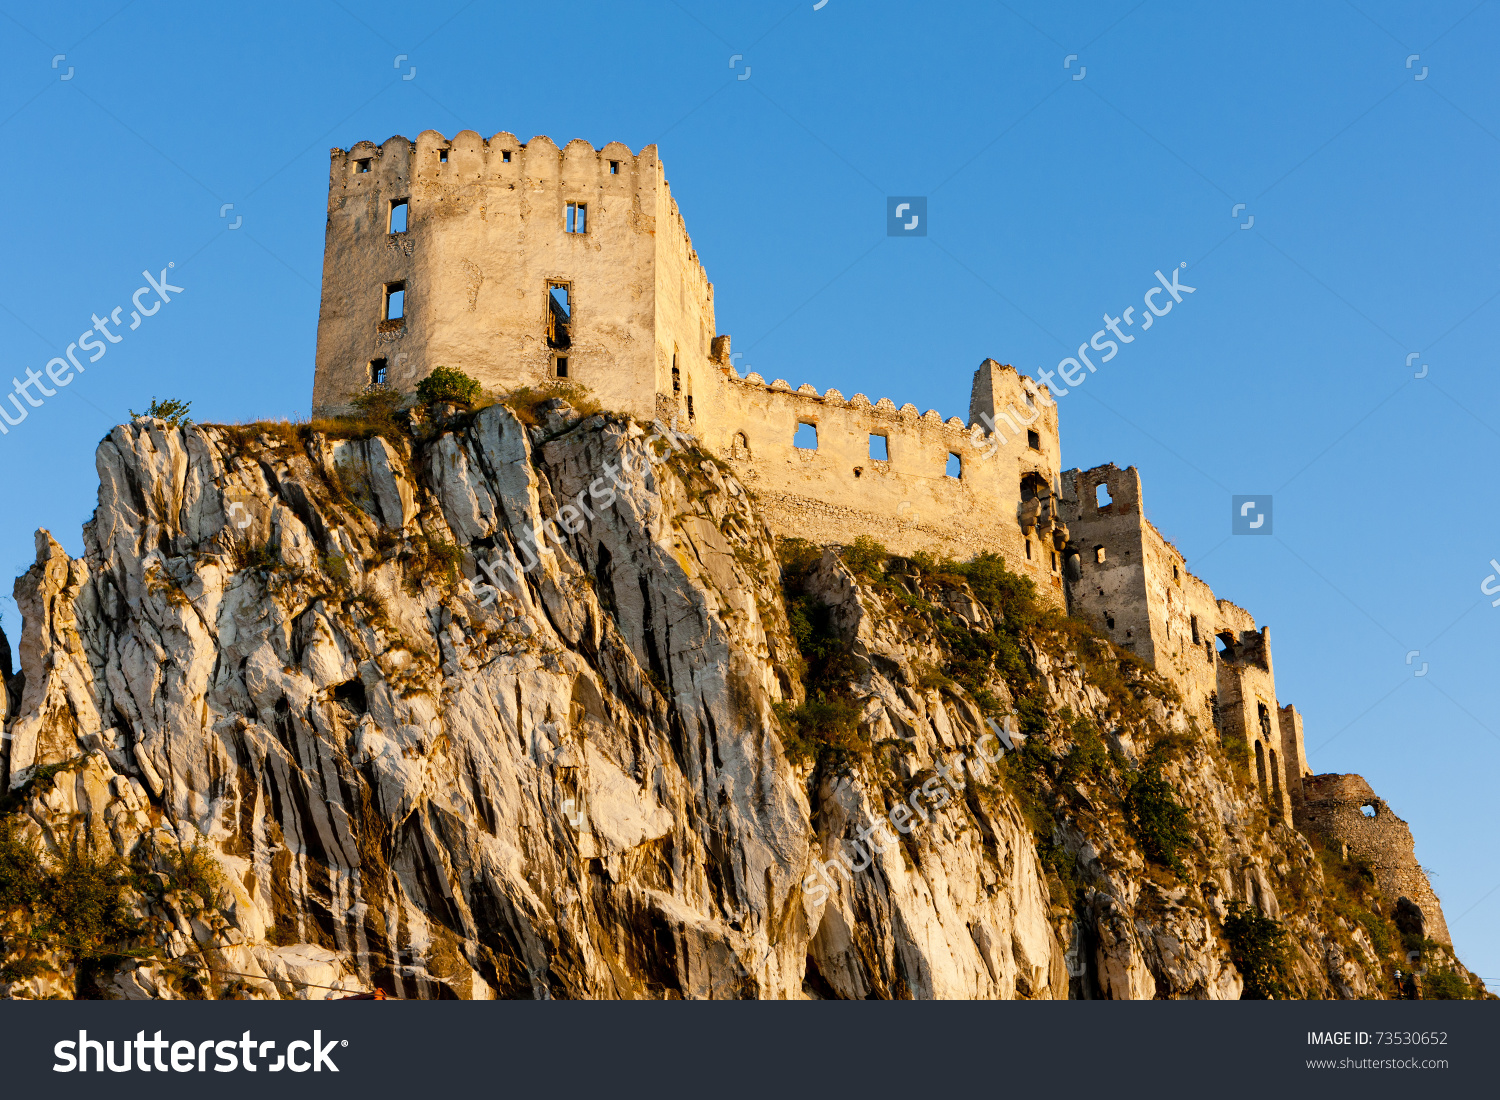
[(865, 558), (1445, 985), (1160, 824), (379, 409), (173, 411), (1257, 947), (195, 871), (448, 384)]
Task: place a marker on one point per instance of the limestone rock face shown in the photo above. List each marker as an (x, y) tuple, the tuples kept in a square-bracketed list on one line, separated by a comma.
[(491, 713)]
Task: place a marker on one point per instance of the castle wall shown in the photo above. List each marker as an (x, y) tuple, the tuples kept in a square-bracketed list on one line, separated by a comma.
[(1142, 595), (1293, 754), (907, 501), (1333, 806), (486, 235), (1108, 556)]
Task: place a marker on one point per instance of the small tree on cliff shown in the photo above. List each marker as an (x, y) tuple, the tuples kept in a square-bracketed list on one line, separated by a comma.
[(448, 384)]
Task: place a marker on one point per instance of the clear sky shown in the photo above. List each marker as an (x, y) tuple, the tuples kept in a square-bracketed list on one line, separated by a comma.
[(1370, 179)]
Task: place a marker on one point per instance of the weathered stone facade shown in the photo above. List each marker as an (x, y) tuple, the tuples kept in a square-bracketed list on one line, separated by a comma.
[(1344, 809), (495, 227)]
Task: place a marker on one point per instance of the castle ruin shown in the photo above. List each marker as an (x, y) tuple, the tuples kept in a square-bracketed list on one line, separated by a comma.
[(526, 264)]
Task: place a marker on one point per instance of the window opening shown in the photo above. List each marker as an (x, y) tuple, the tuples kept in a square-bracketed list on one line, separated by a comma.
[(559, 315), (395, 302), (505, 156), (691, 414), (397, 223), (442, 156), (614, 168), (1193, 622), (880, 448), (955, 465), (361, 166), (806, 438), (377, 372), (560, 366), (1033, 440), (1099, 554), (1102, 497), (577, 217)]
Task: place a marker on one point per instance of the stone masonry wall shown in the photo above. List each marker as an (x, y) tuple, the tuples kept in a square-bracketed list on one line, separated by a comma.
[(1335, 807), (485, 238)]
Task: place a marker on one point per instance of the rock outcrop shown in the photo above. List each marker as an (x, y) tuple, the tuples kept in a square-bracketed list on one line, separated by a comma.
[(498, 711)]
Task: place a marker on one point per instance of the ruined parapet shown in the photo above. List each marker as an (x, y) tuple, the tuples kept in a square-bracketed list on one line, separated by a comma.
[(1346, 812), (1293, 753), (829, 468)]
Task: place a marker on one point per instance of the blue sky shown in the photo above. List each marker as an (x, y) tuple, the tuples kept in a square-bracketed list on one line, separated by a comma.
[(1051, 200)]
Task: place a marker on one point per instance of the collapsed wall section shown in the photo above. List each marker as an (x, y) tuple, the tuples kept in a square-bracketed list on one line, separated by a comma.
[(1346, 811)]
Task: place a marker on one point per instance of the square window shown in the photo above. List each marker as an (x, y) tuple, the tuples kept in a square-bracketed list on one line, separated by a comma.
[(806, 438), (1034, 441), (880, 448), (361, 166), (577, 218), (377, 372), (397, 222), (505, 156), (442, 156), (395, 302), (614, 168)]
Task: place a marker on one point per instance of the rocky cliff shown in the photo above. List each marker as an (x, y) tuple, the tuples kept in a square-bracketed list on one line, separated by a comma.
[(491, 708)]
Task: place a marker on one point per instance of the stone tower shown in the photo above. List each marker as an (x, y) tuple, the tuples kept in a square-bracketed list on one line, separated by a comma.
[(516, 263)]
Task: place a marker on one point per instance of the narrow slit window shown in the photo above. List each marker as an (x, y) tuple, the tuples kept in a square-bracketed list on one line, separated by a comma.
[(691, 414), (1028, 549), (676, 380), (398, 216), (559, 316), (1033, 440), (577, 217), (442, 156), (806, 438), (880, 448), (361, 166), (395, 302), (1054, 561), (1102, 497), (377, 372), (955, 465), (1193, 622)]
